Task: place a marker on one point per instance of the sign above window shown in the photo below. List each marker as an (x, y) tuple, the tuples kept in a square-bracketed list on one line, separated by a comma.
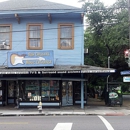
[(31, 59)]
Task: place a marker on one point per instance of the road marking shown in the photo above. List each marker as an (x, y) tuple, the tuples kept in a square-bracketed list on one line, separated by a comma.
[(107, 124), (13, 123), (63, 126)]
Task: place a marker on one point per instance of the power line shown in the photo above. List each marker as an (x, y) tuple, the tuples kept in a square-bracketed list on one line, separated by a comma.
[(65, 13), (32, 15), (46, 39), (83, 25), (41, 29)]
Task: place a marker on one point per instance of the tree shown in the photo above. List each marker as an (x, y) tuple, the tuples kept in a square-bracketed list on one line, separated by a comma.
[(107, 34)]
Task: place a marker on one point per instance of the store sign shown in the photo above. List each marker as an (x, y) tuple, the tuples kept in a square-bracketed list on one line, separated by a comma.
[(126, 79), (126, 72), (30, 59)]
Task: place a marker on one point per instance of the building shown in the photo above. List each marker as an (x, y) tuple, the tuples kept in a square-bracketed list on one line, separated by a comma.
[(42, 54)]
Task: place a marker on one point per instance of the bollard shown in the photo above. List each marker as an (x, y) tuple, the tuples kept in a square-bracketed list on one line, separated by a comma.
[(40, 107)]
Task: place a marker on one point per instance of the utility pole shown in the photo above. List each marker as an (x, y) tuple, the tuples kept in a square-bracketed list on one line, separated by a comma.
[(108, 61), (129, 20)]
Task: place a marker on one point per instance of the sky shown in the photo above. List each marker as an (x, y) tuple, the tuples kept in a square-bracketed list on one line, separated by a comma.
[(76, 3)]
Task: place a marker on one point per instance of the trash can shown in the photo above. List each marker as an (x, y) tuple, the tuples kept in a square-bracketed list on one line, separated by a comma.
[(96, 96)]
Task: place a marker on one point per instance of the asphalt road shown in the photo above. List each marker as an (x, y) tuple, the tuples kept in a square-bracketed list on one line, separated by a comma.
[(65, 123)]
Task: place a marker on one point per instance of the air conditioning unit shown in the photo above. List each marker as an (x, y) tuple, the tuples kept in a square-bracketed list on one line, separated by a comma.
[(4, 47), (86, 51)]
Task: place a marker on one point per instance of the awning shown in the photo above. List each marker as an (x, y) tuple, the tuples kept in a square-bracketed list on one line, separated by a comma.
[(57, 70), (44, 78)]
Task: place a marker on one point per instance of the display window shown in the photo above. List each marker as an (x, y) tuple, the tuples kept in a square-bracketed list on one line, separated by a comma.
[(32, 91), (50, 90), (0, 90), (77, 94), (0, 94), (11, 89)]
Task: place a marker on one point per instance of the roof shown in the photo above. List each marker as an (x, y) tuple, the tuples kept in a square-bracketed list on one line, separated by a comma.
[(57, 69), (33, 4)]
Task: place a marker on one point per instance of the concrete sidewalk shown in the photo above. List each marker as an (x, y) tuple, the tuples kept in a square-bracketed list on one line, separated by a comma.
[(94, 107), (100, 110)]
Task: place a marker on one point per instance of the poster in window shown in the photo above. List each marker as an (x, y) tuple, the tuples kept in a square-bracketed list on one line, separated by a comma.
[(11, 90), (0, 94), (29, 95)]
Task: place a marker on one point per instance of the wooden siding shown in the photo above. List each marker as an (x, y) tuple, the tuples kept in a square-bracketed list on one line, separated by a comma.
[(50, 40)]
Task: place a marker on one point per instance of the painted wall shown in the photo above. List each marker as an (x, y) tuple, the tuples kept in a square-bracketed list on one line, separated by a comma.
[(50, 39)]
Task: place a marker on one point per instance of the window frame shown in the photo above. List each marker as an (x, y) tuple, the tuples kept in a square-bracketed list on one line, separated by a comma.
[(59, 36), (10, 35), (41, 36)]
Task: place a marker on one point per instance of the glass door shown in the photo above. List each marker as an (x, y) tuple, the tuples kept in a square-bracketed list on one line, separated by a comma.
[(67, 93), (11, 92)]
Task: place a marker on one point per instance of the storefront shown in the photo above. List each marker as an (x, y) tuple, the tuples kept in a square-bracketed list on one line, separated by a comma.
[(29, 79), (52, 93), (54, 87)]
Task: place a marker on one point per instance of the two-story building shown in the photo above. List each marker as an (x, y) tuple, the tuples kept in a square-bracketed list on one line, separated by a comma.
[(42, 54)]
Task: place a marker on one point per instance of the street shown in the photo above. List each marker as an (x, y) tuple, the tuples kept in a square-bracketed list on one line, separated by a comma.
[(65, 123)]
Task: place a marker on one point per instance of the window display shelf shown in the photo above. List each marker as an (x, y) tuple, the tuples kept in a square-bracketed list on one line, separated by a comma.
[(50, 90), (1, 95)]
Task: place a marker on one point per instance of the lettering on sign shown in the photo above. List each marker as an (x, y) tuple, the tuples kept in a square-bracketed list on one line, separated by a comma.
[(29, 59)]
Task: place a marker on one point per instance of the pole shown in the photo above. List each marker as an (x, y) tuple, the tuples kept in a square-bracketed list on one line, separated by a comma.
[(82, 93), (107, 82), (108, 61), (108, 67), (129, 20)]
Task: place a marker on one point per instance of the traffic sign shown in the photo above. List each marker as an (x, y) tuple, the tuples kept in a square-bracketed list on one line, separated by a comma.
[(126, 79)]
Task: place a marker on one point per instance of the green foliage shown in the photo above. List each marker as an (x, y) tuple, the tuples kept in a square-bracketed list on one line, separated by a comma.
[(107, 34)]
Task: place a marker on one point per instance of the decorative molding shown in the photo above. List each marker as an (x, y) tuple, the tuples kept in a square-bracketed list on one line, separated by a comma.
[(18, 18), (49, 18), (82, 17)]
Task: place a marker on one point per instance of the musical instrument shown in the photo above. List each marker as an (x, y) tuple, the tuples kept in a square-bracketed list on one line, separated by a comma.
[(18, 59)]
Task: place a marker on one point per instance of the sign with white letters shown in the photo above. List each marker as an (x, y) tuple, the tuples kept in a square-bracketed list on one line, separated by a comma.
[(31, 59), (126, 79)]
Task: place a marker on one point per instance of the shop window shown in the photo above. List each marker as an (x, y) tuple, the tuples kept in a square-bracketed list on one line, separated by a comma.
[(77, 86), (11, 89), (65, 36), (50, 90), (34, 36), (1, 90), (5, 37), (32, 91)]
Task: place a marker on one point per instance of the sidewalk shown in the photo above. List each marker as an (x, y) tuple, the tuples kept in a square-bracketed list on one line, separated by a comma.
[(96, 107)]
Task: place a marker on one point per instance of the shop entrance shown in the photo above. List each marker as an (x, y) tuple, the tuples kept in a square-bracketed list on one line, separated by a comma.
[(67, 93), (11, 93)]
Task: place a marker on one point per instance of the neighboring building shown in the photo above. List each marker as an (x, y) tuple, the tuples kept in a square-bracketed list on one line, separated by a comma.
[(42, 54)]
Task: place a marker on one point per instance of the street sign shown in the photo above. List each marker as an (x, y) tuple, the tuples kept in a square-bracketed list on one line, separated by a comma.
[(127, 72), (126, 79)]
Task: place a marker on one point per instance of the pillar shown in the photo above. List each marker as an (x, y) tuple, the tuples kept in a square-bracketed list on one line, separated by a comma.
[(82, 92)]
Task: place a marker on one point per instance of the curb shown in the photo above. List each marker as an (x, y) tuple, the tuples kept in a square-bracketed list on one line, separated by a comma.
[(65, 114), (52, 114), (115, 114)]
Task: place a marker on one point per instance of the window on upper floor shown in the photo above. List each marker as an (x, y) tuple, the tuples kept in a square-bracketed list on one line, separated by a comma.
[(5, 37), (34, 36), (65, 36)]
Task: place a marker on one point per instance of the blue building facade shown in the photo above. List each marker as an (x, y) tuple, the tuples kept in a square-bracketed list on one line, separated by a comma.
[(42, 54)]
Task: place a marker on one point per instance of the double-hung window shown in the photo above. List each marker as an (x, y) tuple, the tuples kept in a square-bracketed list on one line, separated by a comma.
[(34, 36), (65, 36), (5, 37)]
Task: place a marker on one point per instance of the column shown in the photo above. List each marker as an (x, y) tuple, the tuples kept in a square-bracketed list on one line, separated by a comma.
[(82, 93)]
